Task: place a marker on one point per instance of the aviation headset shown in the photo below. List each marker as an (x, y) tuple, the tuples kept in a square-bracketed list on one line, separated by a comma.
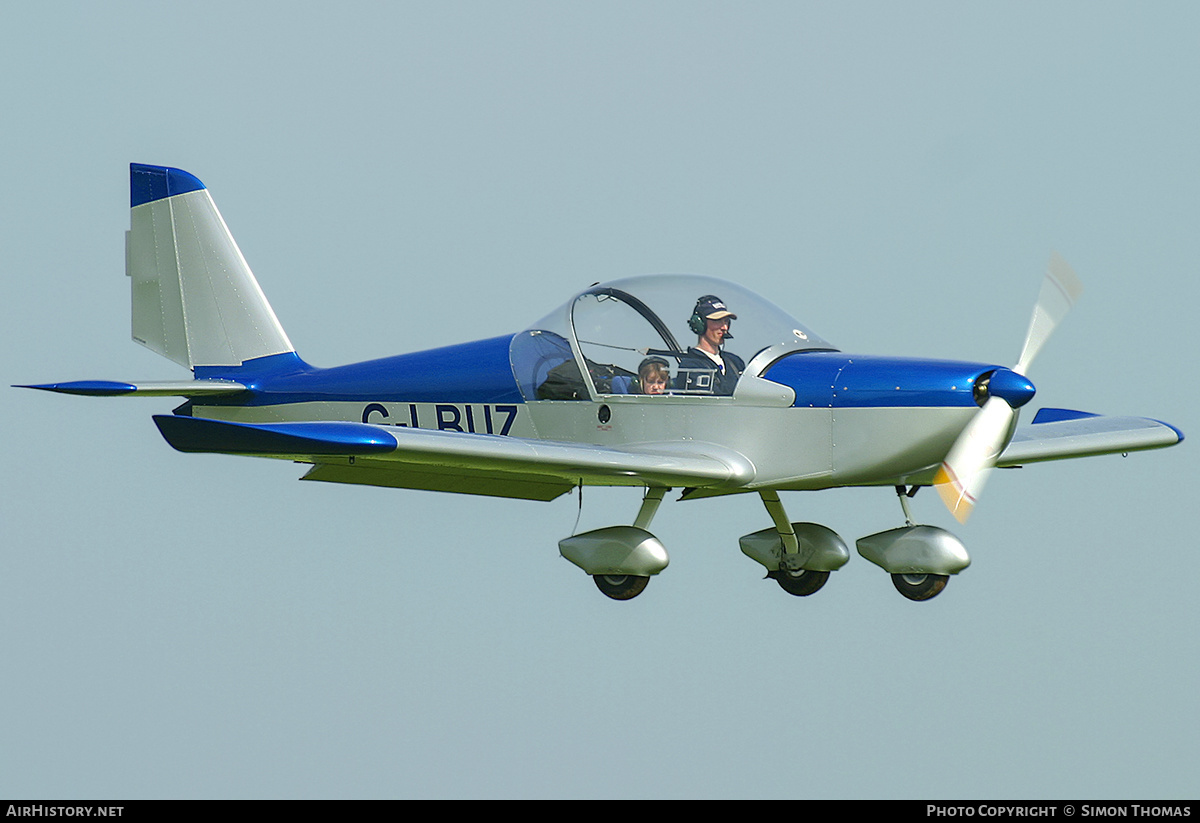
[(697, 322)]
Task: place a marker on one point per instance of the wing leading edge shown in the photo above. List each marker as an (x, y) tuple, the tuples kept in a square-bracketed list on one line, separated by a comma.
[(492, 465)]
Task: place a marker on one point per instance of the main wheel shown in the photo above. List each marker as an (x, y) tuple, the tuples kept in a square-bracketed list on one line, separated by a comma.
[(920, 586), (621, 586), (800, 582)]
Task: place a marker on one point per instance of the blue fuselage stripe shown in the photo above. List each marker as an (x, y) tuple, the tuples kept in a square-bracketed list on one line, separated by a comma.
[(476, 372), (480, 372)]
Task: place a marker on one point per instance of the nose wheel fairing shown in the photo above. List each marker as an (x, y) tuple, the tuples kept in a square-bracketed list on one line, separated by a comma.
[(915, 550)]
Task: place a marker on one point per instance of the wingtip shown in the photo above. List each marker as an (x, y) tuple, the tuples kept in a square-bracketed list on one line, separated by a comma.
[(1178, 431)]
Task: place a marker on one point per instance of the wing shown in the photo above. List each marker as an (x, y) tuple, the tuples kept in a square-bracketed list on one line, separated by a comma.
[(1059, 434), (458, 462)]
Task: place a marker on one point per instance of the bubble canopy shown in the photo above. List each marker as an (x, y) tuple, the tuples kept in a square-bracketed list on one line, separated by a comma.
[(614, 327)]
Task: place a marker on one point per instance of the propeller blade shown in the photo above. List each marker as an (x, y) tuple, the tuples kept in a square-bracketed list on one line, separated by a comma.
[(960, 479), (963, 473), (1060, 289)]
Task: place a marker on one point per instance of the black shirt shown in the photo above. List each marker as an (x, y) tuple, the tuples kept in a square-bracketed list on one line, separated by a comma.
[(700, 374)]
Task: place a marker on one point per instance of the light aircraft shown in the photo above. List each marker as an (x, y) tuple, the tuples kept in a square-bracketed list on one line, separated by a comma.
[(559, 404)]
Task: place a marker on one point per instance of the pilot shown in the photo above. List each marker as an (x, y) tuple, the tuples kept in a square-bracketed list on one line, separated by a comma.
[(707, 368), (654, 375)]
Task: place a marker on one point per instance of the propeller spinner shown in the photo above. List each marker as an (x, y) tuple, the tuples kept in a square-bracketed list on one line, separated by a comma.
[(963, 473)]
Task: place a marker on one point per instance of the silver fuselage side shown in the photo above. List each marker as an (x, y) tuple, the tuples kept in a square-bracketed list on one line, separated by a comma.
[(790, 447)]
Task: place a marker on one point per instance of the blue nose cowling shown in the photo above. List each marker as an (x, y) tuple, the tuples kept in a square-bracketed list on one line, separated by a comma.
[(1014, 388)]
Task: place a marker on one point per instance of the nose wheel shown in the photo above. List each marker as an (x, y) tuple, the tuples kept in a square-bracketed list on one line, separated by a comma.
[(920, 586)]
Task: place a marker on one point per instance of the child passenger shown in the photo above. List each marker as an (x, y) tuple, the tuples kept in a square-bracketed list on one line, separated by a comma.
[(654, 375)]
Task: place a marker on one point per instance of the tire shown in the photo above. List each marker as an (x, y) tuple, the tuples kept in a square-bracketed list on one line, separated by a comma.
[(920, 586), (621, 586), (801, 583)]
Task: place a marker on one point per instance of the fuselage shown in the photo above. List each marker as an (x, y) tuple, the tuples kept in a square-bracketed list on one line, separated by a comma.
[(805, 419)]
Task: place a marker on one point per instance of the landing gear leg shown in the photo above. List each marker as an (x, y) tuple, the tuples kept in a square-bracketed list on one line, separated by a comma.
[(791, 546), (650, 504), (905, 493)]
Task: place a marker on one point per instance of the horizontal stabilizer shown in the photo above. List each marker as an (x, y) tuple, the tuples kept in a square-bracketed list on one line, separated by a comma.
[(1059, 434), (112, 388)]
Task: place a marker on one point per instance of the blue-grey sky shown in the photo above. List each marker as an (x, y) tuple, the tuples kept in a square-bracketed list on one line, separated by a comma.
[(405, 175)]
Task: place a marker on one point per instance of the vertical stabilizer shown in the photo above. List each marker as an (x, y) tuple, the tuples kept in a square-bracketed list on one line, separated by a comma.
[(195, 299)]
